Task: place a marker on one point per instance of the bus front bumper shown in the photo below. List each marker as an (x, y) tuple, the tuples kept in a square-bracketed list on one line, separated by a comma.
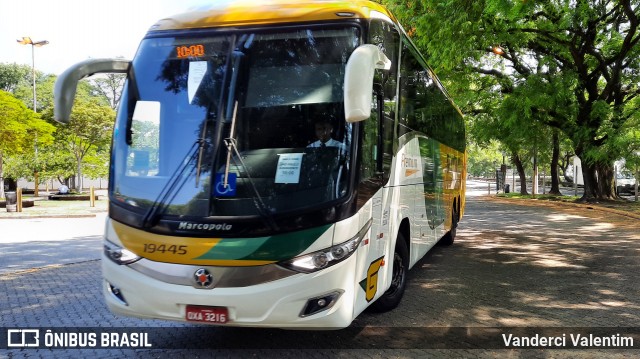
[(280, 303)]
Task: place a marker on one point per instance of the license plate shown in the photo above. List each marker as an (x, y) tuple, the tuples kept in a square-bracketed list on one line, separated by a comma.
[(202, 314)]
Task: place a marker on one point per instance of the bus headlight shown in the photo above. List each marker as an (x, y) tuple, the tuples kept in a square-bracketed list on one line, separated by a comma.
[(312, 262), (118, 254)]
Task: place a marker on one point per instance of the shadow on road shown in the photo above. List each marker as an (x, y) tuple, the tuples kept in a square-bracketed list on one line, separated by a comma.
[(531, 266)]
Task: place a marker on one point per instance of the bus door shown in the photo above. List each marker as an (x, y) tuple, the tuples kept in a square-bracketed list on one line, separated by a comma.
[(431, 189)]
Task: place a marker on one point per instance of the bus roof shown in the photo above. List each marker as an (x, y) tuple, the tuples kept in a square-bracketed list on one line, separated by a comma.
[(261, 12)]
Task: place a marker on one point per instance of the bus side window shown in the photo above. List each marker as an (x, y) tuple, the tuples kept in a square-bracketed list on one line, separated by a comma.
[(384, 35), (369, 143)]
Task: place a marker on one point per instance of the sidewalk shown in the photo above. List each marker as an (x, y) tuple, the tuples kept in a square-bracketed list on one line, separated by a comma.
[(45, 208), (628, 208)]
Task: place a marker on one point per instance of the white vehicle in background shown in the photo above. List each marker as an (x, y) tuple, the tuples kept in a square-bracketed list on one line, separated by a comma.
[(625, 183)]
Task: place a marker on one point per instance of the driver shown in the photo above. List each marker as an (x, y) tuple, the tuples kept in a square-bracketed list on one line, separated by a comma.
[(324, 134)]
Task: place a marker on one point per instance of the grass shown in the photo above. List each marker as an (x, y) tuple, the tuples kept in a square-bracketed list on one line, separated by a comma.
[(541, 197)]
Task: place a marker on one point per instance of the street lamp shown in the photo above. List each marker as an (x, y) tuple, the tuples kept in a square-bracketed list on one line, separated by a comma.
[(28, 41)]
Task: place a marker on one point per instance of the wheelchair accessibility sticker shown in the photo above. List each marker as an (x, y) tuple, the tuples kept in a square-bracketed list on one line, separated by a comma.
[(230, 190)]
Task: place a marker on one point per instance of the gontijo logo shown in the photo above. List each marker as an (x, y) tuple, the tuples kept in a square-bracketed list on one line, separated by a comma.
[(410, 165)]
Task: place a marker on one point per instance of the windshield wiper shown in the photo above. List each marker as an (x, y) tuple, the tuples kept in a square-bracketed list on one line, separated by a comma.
[(170, 190), (230, 143), (201, 143), (232, 149), (262, 208)]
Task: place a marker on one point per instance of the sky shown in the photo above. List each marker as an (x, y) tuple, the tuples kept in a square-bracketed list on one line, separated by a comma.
[(79, 29)]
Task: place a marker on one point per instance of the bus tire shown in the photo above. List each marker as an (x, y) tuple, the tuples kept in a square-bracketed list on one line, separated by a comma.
[(392, 297), (450, 236)]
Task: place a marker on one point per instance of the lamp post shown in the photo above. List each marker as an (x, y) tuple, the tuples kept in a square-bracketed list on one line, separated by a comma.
[(28, 41)]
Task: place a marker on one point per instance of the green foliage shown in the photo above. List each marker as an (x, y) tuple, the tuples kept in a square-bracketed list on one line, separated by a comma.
[(21, 166), (628, 142), (96, 164), (84, 141), (59, 164), (21, 130), (14, 119), (570, 65), (44, 91), (14, 75), (110, 87), (19, 126), (86, 137), (483, 159)]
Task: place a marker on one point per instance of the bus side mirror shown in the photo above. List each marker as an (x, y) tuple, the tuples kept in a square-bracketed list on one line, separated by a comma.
[(358, 81), (65, 88)]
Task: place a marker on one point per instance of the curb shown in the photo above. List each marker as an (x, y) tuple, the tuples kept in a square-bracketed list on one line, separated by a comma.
[(87, 214), (51, 216)]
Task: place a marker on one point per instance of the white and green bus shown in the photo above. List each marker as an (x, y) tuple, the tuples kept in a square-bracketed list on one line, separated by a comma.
[(226, 205)]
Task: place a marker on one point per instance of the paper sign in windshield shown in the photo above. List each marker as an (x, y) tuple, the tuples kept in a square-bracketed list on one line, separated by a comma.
[(197, 69), (289, 165)]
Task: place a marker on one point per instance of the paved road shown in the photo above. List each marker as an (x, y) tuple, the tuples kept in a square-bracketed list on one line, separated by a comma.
[(511, 266), (40, 242)]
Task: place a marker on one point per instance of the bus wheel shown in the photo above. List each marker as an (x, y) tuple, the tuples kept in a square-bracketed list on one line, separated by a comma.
[(450, 236), (391, 298)]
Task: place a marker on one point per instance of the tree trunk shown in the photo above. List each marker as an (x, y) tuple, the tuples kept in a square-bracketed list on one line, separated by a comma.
[(523, 178), (605, 173), (590, 182), (1, 176), (555, 159), (598, 180), (79, 183)]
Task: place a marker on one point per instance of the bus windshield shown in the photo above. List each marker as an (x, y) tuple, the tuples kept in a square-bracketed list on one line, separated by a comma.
[(235, 124)]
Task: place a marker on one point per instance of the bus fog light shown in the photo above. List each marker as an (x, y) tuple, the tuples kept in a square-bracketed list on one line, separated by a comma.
[(319, 304), (117, 294)]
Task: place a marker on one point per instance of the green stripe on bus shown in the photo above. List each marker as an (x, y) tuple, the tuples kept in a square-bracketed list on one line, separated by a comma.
[(272, 248)]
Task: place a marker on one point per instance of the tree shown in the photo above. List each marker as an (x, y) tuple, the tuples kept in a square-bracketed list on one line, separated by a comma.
[(88, 131), (60, 160), (491, 96), (44, 92), (483, 159), (110, 86), (14, 75), (578, 59), (19, 127)]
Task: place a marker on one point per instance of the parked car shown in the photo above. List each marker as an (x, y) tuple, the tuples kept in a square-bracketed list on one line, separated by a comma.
[(625, 183)]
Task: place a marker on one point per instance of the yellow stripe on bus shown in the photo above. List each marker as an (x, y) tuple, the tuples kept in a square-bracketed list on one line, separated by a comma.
[(174, 249), (240, 13)]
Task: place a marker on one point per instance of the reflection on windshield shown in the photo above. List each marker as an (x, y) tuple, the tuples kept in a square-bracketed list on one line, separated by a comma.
[(291, 145)]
